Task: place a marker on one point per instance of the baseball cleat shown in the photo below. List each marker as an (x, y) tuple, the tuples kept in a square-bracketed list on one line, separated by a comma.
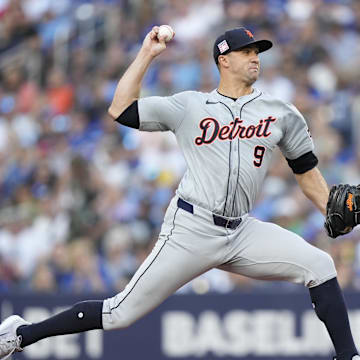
[(9, 341)]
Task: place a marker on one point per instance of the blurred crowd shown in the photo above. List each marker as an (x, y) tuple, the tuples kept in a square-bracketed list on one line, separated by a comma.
[(82, 198)]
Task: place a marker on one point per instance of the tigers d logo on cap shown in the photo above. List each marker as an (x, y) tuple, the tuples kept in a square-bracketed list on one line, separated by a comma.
[(249, 33)]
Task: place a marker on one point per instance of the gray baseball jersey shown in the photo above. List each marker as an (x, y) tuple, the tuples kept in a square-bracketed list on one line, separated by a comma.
[(227, 145)]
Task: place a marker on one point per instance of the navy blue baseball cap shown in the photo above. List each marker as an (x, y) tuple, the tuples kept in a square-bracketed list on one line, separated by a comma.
[(237, 39)]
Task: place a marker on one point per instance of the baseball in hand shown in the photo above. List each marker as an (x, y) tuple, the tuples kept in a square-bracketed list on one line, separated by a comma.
[(166, 32)]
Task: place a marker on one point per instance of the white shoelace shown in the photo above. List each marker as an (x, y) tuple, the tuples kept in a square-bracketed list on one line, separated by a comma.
[(10, 345)]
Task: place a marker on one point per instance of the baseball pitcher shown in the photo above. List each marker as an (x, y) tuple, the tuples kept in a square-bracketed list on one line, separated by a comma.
[(228, 137)]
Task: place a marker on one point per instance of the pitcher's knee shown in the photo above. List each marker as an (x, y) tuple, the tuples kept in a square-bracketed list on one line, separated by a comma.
[(322, 269), (116, 315), (117, 319)]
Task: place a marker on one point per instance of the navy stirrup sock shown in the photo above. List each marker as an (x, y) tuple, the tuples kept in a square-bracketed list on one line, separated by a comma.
[(331, 309), (83, 316)]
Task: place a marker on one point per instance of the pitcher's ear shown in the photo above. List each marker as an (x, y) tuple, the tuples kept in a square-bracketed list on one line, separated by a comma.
[(223, 60)]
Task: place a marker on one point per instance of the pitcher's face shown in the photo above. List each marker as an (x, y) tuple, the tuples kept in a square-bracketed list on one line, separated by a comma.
[(244, 64)]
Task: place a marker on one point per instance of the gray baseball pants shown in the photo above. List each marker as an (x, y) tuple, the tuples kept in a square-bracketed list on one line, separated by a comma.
[(191, 244)]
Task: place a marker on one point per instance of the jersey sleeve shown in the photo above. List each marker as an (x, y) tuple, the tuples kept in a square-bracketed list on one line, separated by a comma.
[(296, 140), (157, 113)]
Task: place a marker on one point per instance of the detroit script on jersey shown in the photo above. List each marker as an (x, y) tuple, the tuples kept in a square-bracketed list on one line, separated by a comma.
[(212, 130)]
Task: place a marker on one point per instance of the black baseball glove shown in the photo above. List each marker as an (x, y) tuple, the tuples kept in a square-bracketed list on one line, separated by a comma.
[(342, 210)]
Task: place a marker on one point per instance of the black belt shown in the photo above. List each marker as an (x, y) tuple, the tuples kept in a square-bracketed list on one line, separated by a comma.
[(218, 220)]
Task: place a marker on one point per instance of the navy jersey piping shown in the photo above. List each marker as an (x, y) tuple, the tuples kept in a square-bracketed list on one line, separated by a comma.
[(229, 173), (238, 172)]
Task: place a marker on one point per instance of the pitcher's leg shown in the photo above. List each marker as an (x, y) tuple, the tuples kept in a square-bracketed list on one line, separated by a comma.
[(188, 246), (174, 261), (330, 307), (166, 269), (83, 316), (267, 251)]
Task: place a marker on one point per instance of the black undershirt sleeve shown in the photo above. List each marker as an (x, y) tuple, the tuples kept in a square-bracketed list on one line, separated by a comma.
[(130, 116), (304, 163)]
